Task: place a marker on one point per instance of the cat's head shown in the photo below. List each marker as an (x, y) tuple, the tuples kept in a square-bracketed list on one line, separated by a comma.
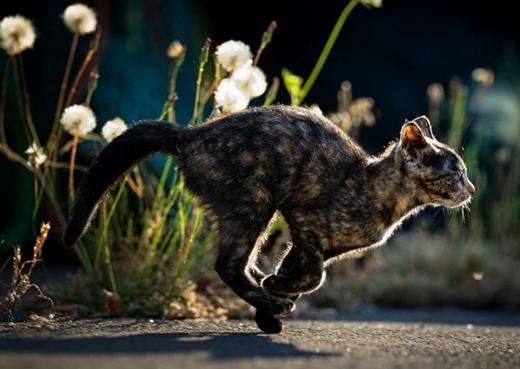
[(438, 172)]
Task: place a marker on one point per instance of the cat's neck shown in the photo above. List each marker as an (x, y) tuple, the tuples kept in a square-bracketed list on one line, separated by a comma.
[(394, 193)]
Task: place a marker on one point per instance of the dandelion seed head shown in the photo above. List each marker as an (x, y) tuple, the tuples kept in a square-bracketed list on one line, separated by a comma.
[(372, 3), (175, 49), (79, 18), (78, 120), (16, 34), (113, 128), (233, 54), (435, 93), (36, 155), (361, 112), (484, 76), (229, 97), (478, 276), (503, 155), (250, 80)]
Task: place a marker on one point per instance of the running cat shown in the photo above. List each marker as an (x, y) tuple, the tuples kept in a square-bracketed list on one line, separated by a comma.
[(245, 167)]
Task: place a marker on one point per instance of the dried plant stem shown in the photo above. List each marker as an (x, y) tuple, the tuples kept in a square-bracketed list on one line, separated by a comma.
[(27, 104), (71, 168), (209, 91), (266, 38), (172, 86), (327, 48), (92, 85), (13, 156), (61, 97)]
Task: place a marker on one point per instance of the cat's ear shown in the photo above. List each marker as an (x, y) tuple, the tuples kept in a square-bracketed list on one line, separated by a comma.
[(424, 123), (412, 138)]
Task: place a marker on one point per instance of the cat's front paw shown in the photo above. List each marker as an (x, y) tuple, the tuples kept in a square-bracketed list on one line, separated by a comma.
[(268, 323), (283, 307), (278, 284), (292, 285), (268, 282)]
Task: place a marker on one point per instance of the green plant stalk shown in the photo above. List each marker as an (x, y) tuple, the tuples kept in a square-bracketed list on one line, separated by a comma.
[(271, 94), (148, 263), (458, 118), (106, 249), (87, 265), (203, 59), (195, 255), (327, 48)]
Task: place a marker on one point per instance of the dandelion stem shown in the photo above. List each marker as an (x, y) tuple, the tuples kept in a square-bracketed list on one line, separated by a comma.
[(27, 104), (19, 97), (53, 145), (71, 168), (202, 62), (327, 48), (172, 97), (3, 137), (88, 58)]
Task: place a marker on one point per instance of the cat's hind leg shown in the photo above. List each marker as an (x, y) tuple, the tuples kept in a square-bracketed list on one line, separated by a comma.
[(237, 240)]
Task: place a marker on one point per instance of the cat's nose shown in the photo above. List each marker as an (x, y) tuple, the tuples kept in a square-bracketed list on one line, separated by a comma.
[(470, 187)]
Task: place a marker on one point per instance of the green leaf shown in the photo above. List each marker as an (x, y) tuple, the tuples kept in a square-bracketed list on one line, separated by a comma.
[(293, 84)]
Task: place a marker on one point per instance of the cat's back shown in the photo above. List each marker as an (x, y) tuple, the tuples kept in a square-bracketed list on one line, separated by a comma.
[(279, 127), (288, 151)]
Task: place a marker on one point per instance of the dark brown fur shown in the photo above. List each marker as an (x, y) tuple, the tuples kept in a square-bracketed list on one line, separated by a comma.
[(335, 197)]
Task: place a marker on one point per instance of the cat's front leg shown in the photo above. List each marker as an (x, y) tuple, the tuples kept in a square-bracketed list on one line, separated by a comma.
[(302, 270), (237, 239)]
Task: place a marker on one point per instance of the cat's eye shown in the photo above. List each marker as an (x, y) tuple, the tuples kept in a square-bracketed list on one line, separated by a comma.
[(459, 175)]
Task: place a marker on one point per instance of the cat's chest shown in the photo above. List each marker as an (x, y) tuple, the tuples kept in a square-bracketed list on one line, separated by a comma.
[(359, 233)]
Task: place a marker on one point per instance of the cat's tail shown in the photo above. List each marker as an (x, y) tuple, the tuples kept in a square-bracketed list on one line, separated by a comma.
[(135, 144)]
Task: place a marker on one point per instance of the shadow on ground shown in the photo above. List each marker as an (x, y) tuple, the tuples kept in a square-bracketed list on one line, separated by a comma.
[(218, 345)]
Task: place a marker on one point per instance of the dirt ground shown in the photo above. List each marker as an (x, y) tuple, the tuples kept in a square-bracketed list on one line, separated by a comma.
[(346, 342)]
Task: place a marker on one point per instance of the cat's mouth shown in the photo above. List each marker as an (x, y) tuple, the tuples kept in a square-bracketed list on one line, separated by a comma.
[(462, 200)]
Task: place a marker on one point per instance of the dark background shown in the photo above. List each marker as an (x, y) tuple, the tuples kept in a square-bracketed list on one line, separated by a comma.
[(390, 54)]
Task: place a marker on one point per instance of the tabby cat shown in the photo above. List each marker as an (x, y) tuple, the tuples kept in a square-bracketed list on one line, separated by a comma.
[(247, 166)]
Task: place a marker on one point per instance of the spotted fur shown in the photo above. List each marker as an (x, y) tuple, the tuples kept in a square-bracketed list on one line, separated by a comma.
[(245, 167)]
